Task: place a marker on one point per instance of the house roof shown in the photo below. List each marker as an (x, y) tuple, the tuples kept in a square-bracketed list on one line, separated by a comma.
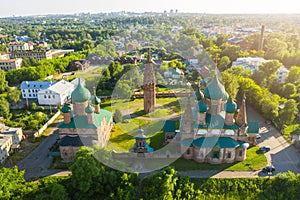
[(211, 142), (61, 87), (169, 126), (82, 121), (36, 85)]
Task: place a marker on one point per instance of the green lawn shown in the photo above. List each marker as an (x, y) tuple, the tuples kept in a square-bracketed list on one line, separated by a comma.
[(159, 112), (123, 135), (111, 105), (254, 161)]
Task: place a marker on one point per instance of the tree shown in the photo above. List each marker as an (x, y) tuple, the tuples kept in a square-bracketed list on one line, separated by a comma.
[(275, 49), (294, 75), (230, 83), (3, 81), (4, 108), (224, 63), (33, 106), (118, 117), (289, 112), (13, 95), (288, 90)]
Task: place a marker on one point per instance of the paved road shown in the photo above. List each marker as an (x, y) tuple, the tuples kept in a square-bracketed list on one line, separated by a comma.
[(37, 162), (283, 156)]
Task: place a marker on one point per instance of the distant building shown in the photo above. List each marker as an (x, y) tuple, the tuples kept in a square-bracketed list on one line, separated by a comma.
[(79, 65), (30, 89), (20, 46), (56, 94), (38, 55), (249, 63), (4, 56), (10, 139), (281, 74), (174, 73), (11, 64)]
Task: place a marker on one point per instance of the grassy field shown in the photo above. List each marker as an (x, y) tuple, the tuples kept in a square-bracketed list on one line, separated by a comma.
[(111, 105), (254, 161), (92, 77), (159, 112)]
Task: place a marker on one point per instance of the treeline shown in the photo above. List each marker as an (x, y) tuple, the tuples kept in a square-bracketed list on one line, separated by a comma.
[(92, 180), (42, 69)]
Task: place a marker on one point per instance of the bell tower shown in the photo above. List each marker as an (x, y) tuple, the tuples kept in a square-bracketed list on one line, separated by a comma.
[(149, 85)]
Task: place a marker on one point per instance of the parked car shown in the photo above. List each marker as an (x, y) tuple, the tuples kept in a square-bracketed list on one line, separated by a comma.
[(258, 136), (265, 149), (268, 169)]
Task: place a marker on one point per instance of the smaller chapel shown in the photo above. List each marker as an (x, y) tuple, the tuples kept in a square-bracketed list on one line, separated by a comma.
[(84, 124)]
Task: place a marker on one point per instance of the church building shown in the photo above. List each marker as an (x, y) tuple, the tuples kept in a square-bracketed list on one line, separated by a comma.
[(85, 123), (210, 132)]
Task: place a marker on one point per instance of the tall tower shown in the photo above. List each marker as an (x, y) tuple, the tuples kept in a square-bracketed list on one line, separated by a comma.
[(149, 85), (261, 39)]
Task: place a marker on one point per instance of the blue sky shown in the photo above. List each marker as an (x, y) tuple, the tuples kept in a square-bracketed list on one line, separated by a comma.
[(33, 7)]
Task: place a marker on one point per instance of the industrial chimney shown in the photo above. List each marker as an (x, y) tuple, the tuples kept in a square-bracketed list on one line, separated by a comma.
[(261, 40)]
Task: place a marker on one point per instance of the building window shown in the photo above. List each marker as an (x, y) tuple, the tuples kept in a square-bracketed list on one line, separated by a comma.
[(229, 155), (188, 151), (241, 153), (45, 97), (49, 96), (29, 90), (53, 96), (29, 95)]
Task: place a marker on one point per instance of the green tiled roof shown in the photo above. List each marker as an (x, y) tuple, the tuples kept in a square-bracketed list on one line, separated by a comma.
[(66, 109), (96, 100), (215, 90), (198, 94), (211, 142), (80, 94), (243, 145), (253, 127), (230, 106), (169, 126), (89, 109), (75, 141), (201, 106), (82, 122)]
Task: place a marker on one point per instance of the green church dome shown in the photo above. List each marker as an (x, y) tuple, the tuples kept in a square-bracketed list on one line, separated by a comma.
[(89, 109), (66, 109), (215, 90), (230, 106), (96, 100), (80, 94), (202, 107)]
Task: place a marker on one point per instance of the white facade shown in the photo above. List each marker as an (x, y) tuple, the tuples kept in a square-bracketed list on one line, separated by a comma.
[(56, 94), (281, 74), (249, 63), (10, 64), (5, 145), (4, 56), (15, 46), (30, 89)]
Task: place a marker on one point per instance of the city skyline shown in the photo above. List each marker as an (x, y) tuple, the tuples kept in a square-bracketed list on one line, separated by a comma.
[(34, 7)]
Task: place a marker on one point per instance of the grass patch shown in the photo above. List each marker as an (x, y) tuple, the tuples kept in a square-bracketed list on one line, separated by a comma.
[(254, 161), (159, 112), (58, 163), (156, 141)]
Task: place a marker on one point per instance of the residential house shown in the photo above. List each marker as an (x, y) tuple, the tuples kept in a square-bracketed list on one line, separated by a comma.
[(174, 73), (30, 89), (4, 56), (56, 94), (20, 46), (5, 146), (281, 74), (11, 64), (38, 55), (249, 63), (79, 65)]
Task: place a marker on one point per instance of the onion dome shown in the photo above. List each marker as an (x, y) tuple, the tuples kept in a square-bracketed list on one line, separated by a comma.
[(202, 107), (230, 106), (96, 100), (140, 134), (80, 94), (198, 94), (89, 109), (215, 90), (203, 83), (66, 108)]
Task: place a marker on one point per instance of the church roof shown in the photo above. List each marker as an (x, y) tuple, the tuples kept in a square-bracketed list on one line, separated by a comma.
[(82, 121), (89, 109), (80, 94), (201, 106), (216, 122), (230, 106), (96, 100), (198, 94), (211, 142), (215, 90), (66, 108), (169, 126), (76, 141), (253, 127)]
